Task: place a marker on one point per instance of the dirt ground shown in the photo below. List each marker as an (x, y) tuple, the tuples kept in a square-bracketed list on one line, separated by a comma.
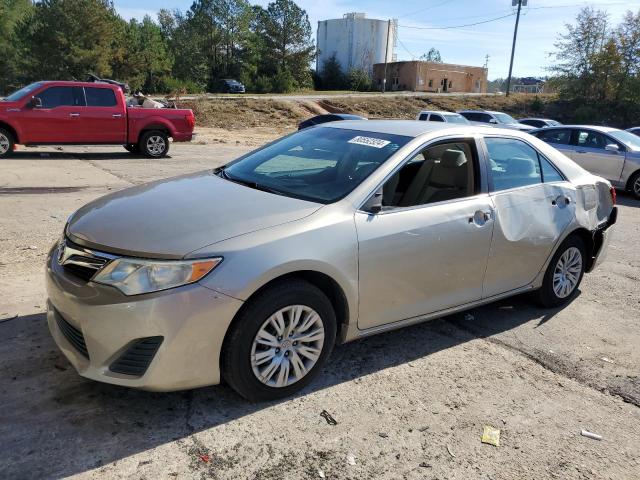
[(408, 404)]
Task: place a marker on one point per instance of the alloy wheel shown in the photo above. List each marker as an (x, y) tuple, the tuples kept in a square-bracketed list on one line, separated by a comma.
[(5, 144), (636, 186), (567, 272), (156, 145), (287, 346)]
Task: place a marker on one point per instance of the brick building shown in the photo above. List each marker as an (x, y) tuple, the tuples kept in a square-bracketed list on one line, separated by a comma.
[(420, 76)]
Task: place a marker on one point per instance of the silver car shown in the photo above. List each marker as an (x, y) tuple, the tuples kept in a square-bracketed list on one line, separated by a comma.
[(611, 153), (253, 271)]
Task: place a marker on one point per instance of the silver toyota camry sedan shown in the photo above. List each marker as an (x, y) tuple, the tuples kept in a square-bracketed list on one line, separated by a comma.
[(252, 272)]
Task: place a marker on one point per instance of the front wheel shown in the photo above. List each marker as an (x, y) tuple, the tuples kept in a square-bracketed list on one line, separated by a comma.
[(6, 143), (279, 342), (635, 185), (154, 144), (564, 274)]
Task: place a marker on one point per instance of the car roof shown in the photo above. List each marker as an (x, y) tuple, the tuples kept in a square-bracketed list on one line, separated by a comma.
[(413, 128), (72, 83), (597, 128), (441, 112), (541, 119)]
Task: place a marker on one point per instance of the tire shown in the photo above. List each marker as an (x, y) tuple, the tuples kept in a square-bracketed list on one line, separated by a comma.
[(7, 142), (572, 252), (278, 358), (634, 185), (132, 148), (154, 144)]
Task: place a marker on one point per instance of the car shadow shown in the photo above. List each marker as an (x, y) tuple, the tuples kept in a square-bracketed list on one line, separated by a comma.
[(626, 199), (54, 423), (63, 155)]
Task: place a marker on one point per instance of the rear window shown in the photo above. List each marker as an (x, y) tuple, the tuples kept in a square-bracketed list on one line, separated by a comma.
[(100, 97)]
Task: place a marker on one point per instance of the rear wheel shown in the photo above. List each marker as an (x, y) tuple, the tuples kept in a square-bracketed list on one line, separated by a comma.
[(154, 144), (132, 148), (279, 342), (564, 274), (634, 185), (6, 143)]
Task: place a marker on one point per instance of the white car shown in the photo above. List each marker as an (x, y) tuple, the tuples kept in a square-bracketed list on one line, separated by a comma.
[(496, 119), (441, 116)]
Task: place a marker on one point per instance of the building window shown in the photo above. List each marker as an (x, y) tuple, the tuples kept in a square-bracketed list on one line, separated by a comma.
[(396, 80), (442, 82), (430, 82), (450, 84)]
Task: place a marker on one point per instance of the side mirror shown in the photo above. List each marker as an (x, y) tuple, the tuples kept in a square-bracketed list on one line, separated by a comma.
[(36, 102), (493, 121), (612, 147), (374, 204)]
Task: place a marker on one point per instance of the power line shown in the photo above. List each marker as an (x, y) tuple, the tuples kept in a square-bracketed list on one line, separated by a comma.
[(426, 8), (459, 26)]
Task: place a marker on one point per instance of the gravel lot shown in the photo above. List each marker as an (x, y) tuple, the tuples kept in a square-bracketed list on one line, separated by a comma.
[(408, 404)]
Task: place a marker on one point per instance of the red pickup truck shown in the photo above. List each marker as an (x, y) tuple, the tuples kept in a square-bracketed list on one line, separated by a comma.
[(88, 113)]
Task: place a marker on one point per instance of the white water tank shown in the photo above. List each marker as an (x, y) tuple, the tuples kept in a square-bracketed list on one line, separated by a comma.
[(356, 41)]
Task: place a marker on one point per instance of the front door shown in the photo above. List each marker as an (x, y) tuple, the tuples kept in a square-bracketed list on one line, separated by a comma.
[(57, 120), (590, 153), (533, 206), (427, 249)]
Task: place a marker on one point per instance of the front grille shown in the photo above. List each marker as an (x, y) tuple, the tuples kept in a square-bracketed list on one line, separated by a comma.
[(137, 358), (72, 334), (80, 262), (82, 272)]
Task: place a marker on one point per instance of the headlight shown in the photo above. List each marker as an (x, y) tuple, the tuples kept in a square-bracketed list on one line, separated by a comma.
[(133, 277)]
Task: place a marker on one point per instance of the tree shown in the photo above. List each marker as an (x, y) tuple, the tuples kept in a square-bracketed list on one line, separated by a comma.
[(433, 55), (68, 38), (359, 80), (13, 13), (331, 74), (287, 48)]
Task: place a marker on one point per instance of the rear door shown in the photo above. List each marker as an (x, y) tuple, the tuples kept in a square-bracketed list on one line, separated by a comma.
[(57, 120), (560, 138), (104, 118), (591, 154), (534, 205), (427, 249)]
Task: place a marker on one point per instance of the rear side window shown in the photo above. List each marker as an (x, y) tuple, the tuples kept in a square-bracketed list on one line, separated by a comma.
[(61, 97), (533, 123), (100, 97), (436, 118), (423, 116), (559, 136), (513, 163), (549, 172)]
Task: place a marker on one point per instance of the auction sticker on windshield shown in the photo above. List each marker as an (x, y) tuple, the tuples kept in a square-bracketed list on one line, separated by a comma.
[(370, 142)]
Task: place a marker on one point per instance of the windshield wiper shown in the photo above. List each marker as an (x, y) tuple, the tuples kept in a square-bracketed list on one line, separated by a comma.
[(249, 183)]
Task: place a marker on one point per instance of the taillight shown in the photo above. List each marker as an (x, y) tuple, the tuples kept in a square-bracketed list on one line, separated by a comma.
[(613, 194), (191, 119)]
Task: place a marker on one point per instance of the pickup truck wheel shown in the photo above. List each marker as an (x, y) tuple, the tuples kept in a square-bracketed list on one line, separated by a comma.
[(132, 148), (154, 144), (6, 143)]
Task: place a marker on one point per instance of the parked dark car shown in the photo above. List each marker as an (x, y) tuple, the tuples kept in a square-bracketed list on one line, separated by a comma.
[(634, 130), (329, 117), (231, 86)]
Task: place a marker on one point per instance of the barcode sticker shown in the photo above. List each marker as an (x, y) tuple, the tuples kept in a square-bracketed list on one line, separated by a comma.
[(370, 142)]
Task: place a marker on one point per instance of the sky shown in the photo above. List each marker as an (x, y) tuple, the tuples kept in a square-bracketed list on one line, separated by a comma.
[(420, 23)]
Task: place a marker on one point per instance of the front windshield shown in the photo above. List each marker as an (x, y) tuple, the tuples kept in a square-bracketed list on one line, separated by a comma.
[(15, 96), (319, 164), (457, 119), (629, 139), (504, 118)]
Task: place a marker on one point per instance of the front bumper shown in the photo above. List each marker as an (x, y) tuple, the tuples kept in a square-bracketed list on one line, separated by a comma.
[(192, 320)]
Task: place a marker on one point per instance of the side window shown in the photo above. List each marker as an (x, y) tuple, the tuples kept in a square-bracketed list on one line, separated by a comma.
[(485, 117), (560, 136), (60, 96), (470, 116), (100, 97), (423, 116), (549, 172), (591, 139), (513, 163), (439, 172), (436, 118)]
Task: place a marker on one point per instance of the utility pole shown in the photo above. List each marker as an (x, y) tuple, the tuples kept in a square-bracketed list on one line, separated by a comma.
[(386, 54), (515, 35)]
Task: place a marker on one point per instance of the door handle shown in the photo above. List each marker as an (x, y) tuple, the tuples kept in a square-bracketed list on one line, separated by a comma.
[(74, 114), (480, 217), (117, 115)]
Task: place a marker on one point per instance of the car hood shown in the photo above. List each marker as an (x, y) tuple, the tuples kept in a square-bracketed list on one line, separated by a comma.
[(173, 217)]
